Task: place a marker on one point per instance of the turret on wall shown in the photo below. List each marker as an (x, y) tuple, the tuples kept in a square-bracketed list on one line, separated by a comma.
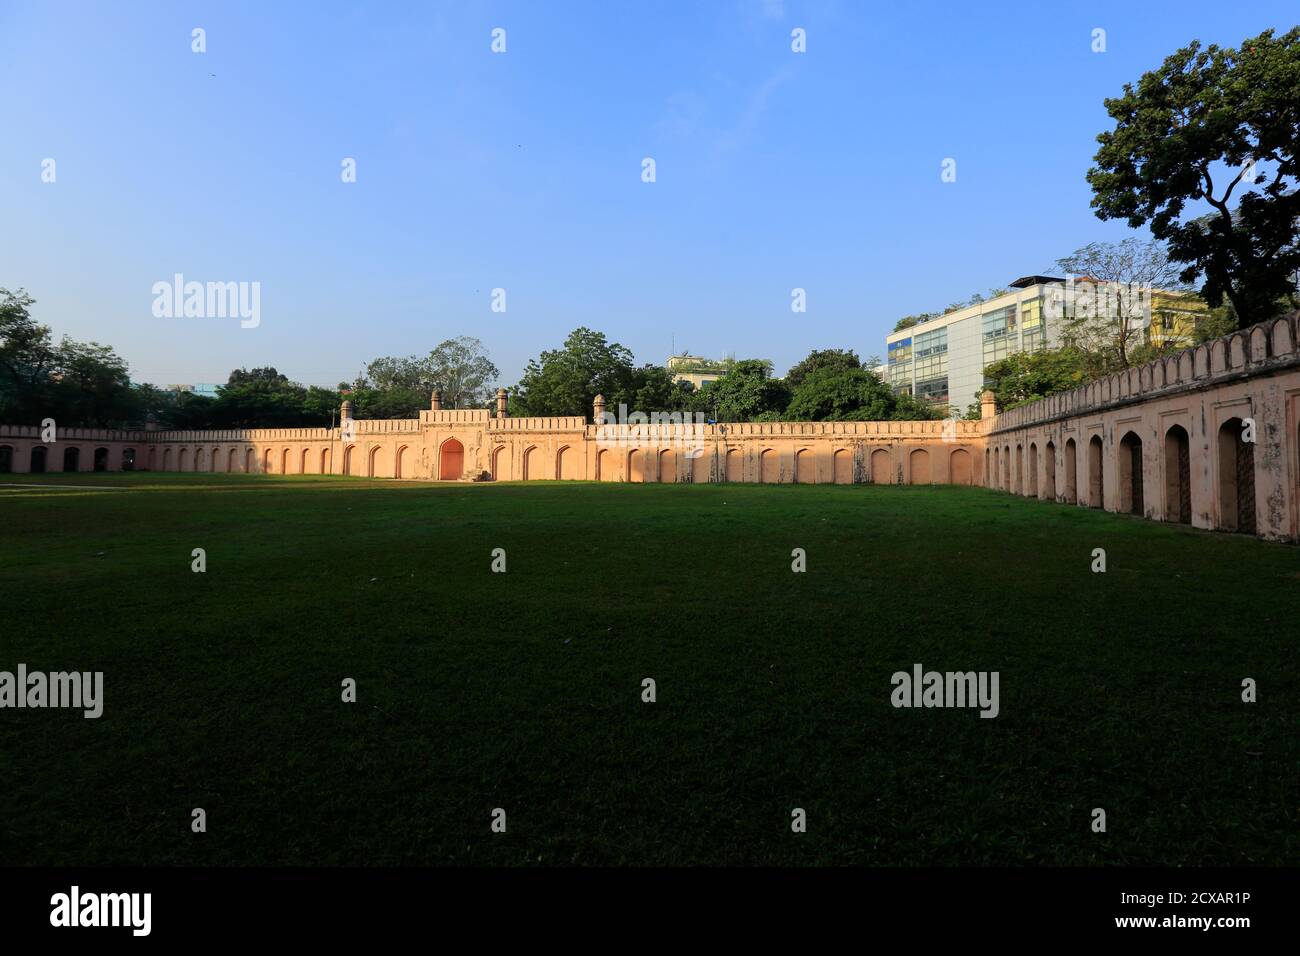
[(988, 405)]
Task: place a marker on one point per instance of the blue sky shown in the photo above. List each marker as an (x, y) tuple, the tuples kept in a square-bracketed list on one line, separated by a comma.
[(522, 171)]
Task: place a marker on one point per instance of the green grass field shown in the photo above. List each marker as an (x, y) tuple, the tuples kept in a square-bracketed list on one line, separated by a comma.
[(523, 690)]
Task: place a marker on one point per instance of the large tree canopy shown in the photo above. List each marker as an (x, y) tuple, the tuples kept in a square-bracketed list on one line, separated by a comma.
[(747, 392), (565, 381), (1129, 269), (26, 357), (1028, 376), (1208, 125), (851, 394), (458, 368), (818, 359), (74, 383)]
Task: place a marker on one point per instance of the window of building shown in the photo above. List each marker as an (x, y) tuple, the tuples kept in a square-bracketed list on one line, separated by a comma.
[(929, 343), (935, 390), (930, 359), (900, 365), (999, 330), (900, 351)]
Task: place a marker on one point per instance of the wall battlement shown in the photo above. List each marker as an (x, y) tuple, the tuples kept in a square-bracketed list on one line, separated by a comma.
[(1262, 349), (1209, 437)]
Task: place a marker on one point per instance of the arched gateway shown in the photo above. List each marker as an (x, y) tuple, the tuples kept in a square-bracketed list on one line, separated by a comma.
[(451, 460)]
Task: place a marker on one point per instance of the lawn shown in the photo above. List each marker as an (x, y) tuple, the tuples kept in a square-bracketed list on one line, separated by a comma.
[(522, 690)]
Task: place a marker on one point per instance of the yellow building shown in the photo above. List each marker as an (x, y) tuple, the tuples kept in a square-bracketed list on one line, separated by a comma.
[(1174, 316), (696, 369)]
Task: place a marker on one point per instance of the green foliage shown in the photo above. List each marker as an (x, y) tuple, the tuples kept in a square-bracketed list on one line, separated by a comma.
[(1210, 115), (745, 393), (1223, 319), (907, 409), (1028, 376), (653, 390), (852, 394), (819, 360), (688, 364), (262, 398), (386, 403), (26, 358), (90, 384), (565, 381), (1116, 334), (907, 321), (75, 383), (459, 369)]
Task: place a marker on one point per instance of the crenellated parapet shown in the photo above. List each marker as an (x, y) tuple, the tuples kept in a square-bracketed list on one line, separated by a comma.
[(454, 416), (1267, 348), (34, 432), (1208, 437)]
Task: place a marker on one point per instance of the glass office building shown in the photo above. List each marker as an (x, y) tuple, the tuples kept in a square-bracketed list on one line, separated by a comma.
[(943, 359)]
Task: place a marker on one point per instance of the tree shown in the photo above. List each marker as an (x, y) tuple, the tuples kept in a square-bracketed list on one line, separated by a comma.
[(396, 402), (261, 398), (27, 357), (266, 376), (1028, 376), (186, 410), (90, 386), (75, 383), (390, 373), (835, 394), (818, 359), (746, 393), (565, 381), (906, 408), (1113, 321), (907, 321), (460, 369), (1195, 130), (653, 389)]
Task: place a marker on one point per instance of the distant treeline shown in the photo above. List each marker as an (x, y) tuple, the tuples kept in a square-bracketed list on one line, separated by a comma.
[(87, 384)]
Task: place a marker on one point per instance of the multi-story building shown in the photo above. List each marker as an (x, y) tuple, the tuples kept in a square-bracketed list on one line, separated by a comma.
[(206, 389), (696, 369), (942, 360)]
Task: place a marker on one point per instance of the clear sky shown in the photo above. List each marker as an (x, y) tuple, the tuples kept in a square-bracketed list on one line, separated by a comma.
[(522, 170)]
